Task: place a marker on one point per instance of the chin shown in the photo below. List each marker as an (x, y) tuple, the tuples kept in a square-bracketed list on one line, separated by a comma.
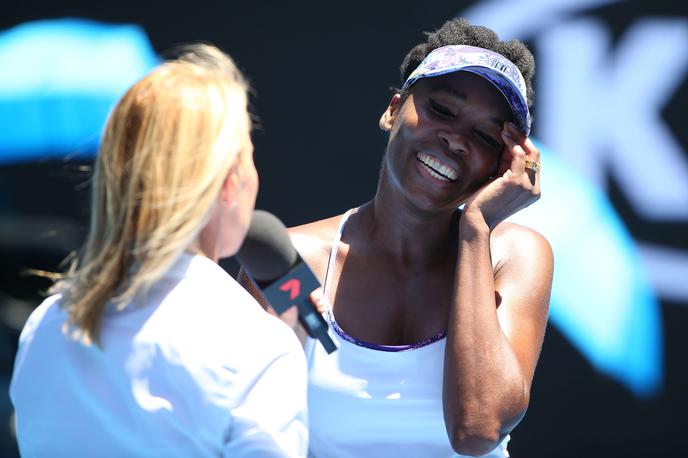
[(433, 204)]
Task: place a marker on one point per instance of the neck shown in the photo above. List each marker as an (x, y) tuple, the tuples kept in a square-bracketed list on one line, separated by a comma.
[(206, 243), (196, 247), (413, 236)]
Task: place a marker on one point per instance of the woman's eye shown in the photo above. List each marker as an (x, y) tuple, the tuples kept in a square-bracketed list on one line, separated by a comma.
[(440, 109), (488, 139)]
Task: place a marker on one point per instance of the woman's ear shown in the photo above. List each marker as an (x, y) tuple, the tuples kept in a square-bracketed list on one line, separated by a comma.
[(230, 187), (390, 114)]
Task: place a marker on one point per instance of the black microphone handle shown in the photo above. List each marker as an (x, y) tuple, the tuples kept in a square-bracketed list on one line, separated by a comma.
[(279, 295), (316, 326)]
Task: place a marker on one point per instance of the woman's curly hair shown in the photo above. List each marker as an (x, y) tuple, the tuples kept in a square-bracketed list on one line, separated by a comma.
[(460, 32)]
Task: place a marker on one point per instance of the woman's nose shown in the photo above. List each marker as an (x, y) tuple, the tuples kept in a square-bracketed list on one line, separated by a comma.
[(454, 140)]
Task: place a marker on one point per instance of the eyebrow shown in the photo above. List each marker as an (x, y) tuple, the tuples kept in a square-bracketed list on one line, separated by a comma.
[(462, 96), (451, 91)]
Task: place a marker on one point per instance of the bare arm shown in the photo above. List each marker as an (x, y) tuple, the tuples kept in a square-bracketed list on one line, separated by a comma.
[(498, 318)]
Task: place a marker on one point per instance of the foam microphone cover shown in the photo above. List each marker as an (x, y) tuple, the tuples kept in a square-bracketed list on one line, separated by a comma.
[(267, 252)]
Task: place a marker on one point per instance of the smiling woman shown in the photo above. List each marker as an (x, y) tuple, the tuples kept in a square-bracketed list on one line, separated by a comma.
[(439, 313), (467, 115)]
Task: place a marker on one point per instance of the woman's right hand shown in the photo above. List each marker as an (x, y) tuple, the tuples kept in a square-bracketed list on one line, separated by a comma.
[(318, 300), (291, 315), (516, 186)]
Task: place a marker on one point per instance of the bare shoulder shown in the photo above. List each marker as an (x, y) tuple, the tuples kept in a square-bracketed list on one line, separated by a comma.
[(315, 236), (314, 240), (513, 242), (523, 273)]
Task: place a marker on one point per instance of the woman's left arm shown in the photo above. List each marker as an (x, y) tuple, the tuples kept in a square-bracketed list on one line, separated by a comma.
[(499, 314)]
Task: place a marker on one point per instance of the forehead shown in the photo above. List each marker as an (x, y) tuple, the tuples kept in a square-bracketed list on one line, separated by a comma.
[(465, 86)]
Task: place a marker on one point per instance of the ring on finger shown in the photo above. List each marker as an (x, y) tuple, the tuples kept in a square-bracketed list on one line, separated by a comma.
[(533, 165)]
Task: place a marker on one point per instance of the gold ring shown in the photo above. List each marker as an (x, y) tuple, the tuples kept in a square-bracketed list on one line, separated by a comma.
[(532, 165)]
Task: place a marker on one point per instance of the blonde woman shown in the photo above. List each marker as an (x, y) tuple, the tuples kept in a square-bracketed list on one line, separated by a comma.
[(147, 347)]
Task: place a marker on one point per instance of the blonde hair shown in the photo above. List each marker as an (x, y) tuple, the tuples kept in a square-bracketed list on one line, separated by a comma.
[(167, 147)]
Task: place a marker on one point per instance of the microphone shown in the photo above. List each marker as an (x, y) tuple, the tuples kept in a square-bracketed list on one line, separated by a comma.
[(274, 265)]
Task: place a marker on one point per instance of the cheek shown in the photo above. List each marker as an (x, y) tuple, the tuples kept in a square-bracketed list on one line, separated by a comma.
[(483, 166), (409, 118), (406, 117), (487, 160), (249, 193), (405, 128), (254, 181)]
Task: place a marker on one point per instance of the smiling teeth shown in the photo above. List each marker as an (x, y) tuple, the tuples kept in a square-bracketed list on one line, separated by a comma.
[(437, 169)]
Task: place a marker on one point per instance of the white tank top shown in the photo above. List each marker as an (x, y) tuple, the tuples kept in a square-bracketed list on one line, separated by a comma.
[(369, 400)]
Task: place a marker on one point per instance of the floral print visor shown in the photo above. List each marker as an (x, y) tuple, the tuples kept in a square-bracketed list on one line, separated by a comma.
[(494, 67)]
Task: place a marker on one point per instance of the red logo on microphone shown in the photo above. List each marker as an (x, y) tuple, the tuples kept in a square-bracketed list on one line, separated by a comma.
[(293, 285)]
